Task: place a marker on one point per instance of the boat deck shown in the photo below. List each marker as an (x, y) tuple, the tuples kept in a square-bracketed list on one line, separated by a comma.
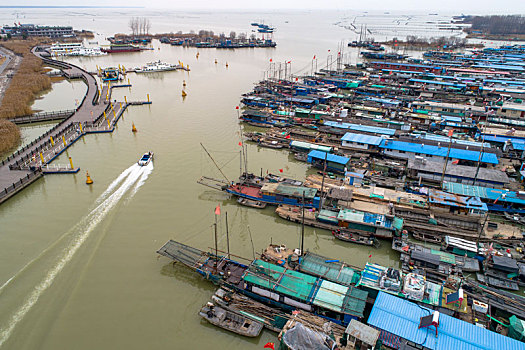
[(247, 190)]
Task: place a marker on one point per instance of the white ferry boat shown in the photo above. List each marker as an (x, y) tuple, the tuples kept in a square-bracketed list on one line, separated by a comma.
[(157, 67), (86, 51), (75, 49), (59, 49)]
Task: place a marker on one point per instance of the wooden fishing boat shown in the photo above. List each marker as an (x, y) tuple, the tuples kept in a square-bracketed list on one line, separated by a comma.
[(357, 238), (230, 321), (251, 203), (493, 281), (270, 144), (271, 318)]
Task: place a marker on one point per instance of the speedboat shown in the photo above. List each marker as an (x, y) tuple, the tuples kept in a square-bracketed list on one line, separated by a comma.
[(146, 159)]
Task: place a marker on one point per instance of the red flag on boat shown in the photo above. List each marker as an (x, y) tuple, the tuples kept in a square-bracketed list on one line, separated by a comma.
[(455, 161), (287, 137), (269, 346), (289, 61), (281, 170), (270, 60), (370, 256), (314, 57), (236, 107), (218, 210), (328, 50), (240, 143)]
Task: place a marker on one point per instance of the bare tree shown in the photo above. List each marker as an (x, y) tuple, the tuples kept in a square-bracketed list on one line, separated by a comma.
[(233, 35)]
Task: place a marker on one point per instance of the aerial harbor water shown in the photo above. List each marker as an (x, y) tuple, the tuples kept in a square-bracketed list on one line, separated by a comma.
[(78, 268)]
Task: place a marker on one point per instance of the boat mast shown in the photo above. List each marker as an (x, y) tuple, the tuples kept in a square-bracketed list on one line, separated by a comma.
[(302, 228), (216, 248), (227, 237), (213, 160), (322, 183), (446, 160)]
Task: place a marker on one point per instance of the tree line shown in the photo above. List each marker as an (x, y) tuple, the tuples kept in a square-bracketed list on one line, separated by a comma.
[(139, 25), (509, 24)]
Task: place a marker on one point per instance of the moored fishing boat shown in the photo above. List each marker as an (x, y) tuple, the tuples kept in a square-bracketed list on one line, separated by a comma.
[(251, 203), (230, 321), (356, 237), (274, 285)]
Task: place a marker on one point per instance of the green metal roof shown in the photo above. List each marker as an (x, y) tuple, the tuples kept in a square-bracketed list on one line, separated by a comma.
[(330, 296), (444, 256), (281, 280), (328, 215), (310, 146), (288, 190), (329, 269), (351, 215), (310, 289)]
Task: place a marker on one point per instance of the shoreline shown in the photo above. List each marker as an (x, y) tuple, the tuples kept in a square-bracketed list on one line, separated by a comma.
[(22, 90)]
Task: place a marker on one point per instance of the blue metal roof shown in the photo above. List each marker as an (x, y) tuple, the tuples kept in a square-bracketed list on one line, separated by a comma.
[(455, 153), (437, 82), (329, 157), (502, 138), (401, 317), (442, 138), (363, 128), (361, 138), (450, 118), (492, 194)]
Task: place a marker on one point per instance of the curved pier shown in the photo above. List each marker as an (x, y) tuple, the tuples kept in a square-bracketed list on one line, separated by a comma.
[(94, 115)]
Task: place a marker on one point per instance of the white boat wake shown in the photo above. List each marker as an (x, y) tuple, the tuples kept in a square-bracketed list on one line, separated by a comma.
[(128, 182)]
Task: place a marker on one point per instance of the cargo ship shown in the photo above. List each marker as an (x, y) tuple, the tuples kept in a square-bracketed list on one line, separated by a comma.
[(122, 48)]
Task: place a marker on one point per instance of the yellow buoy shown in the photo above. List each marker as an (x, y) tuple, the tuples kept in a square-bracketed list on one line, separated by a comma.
[(184, 94), (133, 128), (184, 83), (88, 179)]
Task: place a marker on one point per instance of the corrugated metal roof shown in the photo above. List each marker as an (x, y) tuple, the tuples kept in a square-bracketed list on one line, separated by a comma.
[(401, 317), (331, 270), (352, 215), (330, 296), (279, 279), (362, 138), (363, 332), (363, 128), (310, 146), (329, 157), (492, 194), (289, 190), (439, 151)]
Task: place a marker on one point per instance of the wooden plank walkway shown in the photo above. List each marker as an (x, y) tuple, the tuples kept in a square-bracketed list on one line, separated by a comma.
[(24, 166), (43, 117)]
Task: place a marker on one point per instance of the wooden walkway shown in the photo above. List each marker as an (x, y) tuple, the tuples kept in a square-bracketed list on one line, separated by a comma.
[(24, 166), (43, 117)]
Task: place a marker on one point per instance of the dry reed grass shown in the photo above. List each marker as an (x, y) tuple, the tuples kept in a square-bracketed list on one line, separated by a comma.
[(28, 81), (9, 135)]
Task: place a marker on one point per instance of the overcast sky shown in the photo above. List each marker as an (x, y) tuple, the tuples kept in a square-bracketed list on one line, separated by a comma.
[(443, 6)]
